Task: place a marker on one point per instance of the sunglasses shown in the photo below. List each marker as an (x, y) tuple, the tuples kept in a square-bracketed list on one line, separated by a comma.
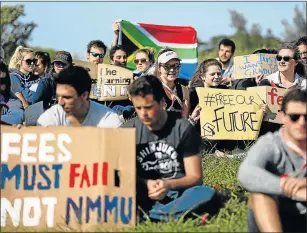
[(295, 117), (60, 64), (169, 67), (31, 61), (143, 60), (285, 58), (100, 55)]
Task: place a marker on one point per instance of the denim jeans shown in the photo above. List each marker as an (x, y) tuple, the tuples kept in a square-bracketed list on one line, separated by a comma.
[(176, 203)]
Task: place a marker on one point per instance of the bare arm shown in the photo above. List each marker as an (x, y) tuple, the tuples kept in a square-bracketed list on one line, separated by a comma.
[(25, 104), (301, 194), (193, 169), (186, 109), (115, 28)]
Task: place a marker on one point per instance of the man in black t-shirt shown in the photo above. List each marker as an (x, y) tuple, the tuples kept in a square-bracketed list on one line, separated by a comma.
[(169, 166)]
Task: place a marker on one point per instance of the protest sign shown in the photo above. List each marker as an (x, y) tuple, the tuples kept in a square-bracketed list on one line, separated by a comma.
[(112, 83), (229, 114), (273, 97), (250, 66), (54, 178), (93, 71)]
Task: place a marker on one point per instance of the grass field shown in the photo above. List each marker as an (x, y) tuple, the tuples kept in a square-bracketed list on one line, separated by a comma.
[(220, 173)]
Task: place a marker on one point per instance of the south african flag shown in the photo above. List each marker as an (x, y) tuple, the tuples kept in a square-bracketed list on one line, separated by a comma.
[(182, 39)]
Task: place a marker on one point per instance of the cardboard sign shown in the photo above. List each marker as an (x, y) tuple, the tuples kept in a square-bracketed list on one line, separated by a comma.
[(250, 66), (229, 114), (93, 71), (273, 97), (112, 83), (53, 178)]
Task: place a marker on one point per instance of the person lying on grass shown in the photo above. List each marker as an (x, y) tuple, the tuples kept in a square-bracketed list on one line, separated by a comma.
[(168, 154), (274, 171)]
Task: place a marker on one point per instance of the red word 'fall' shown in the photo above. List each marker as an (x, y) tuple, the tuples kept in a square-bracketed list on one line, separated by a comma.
[(85, 180)]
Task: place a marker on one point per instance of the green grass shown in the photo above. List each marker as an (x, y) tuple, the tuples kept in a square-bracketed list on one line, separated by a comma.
[(220, 173)]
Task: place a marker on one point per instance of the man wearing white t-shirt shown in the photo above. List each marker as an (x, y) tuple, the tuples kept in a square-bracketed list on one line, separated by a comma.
[(74, 107)]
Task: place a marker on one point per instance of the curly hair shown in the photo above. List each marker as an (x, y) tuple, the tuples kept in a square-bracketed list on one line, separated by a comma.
[(19, 54)]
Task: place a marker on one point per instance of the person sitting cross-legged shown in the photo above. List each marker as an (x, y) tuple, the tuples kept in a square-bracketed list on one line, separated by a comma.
[(168, 157), (274, 171)]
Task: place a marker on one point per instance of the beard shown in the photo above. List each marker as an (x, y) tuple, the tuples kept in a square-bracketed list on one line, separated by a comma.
[(224, 62)]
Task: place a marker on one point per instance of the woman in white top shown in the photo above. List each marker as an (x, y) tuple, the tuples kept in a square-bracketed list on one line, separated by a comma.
[(291, 72), (176, 95)]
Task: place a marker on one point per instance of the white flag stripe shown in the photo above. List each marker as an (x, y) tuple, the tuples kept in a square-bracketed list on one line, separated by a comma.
[(190, 61), (162, 44)]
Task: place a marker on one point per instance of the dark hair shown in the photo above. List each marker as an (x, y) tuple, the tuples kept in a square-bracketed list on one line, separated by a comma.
[(6, 80), (96, 43), (302, 40), (300, 68), (77, 77), (228, 42), (147, 85), (45, 57), (269, 51), (114, 49), (295, 95), (203, 68)]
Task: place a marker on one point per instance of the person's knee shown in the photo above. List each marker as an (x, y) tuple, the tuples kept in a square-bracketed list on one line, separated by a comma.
[(259, 200)]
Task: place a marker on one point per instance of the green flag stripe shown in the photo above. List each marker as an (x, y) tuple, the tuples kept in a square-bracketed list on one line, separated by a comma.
[(135, 35), (131, 31)]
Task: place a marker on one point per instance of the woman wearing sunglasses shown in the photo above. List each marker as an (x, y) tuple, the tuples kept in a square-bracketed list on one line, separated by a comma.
[(21, 67), (144, 61), (291, 72), (176, 95), (46, 90)]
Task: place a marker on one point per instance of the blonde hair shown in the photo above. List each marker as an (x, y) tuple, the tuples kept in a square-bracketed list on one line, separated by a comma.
[(149, 51), (19, 54)]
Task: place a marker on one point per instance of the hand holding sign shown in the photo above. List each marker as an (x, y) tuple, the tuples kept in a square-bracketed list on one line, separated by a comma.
[(250, 66), (229, 114), (113, 82)]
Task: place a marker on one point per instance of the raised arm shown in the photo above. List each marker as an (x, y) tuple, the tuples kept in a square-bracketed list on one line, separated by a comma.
[(115, 28)]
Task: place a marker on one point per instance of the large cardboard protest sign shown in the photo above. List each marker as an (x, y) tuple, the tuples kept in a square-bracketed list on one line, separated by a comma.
[(229, 114), (273, 97), (93, 71), (250, 66), (67, 178), (112, 83)]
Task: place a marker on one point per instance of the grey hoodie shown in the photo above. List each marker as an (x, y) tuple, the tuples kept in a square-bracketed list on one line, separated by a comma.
[(266, 161)]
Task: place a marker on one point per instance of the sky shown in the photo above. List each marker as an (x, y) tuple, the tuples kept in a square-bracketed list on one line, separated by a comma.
[(71, 25)]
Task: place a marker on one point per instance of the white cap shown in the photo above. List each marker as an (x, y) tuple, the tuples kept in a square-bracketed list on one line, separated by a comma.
[(169, 55)]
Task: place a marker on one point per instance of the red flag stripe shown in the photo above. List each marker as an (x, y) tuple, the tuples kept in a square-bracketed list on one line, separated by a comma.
[(171, 34)]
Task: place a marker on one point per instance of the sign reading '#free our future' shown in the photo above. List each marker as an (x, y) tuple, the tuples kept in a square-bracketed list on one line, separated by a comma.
[(229, 114), (67, 178)]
